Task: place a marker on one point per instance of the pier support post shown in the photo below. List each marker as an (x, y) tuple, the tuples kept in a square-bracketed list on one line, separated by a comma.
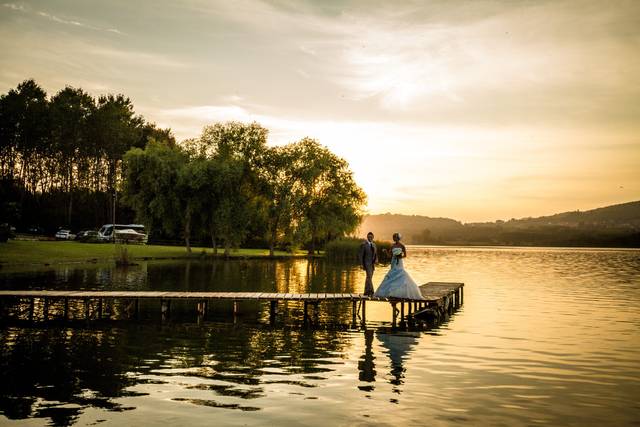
[(136, 308), (394, 314), (45, 309), (86, 309), (165, 308), (461, 294), (99, 309), (272, 311), (402, 322), (306, 312), (316, 311), (236, 310), (364, 312), (201, 311), (31, 308), (354, 308), (66, 309), (201, 308)]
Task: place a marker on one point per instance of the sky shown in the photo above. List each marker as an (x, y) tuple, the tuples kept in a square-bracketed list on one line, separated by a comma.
[(473, 110)]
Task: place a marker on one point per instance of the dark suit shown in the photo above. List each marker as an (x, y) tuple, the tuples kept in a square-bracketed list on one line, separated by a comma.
[(368, 257)]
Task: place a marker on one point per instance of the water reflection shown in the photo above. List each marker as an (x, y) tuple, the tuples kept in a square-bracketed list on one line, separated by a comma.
[(58, 373), (545, 337), (294, 276), (398, 346), (366, 364)]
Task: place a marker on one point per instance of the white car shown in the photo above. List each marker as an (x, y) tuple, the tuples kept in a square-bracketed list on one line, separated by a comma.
[(64, 235)]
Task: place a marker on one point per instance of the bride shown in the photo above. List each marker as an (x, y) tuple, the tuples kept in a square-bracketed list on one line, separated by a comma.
[(397, 283)]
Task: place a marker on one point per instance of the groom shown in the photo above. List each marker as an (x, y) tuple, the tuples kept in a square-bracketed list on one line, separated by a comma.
[(368, 257)]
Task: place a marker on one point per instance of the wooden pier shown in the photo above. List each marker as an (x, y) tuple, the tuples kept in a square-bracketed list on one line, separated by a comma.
[(440, 298)]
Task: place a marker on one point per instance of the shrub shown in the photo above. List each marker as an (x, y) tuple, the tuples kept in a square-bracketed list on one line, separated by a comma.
[(123, 256), (347, 249)]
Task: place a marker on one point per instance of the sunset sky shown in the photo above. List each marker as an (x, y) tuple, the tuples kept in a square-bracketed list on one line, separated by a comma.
[(477, 111)]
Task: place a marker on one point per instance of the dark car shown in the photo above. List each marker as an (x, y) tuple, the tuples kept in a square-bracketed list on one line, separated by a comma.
[(87, 236), (7, 232), (35, 230)]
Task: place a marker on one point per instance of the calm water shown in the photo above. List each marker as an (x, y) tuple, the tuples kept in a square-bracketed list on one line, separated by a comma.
[(545, 337)]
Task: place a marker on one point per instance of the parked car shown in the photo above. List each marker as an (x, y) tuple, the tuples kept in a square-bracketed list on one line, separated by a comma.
[(123, 233), (87, 236), (7, 232), (64, 234), (36, 229)]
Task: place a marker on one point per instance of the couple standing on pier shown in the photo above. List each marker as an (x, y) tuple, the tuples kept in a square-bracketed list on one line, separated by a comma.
[(397, 283)]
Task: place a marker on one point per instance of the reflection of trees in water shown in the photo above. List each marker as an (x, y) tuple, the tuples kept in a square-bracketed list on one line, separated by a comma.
[(41, 370), (85, 276), (282, 276), (59, 365)]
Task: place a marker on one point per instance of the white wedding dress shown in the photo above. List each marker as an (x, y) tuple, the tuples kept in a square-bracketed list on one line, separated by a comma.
[(397, 283)]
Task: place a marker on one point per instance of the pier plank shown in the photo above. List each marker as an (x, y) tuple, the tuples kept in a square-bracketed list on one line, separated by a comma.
[(431, 292)]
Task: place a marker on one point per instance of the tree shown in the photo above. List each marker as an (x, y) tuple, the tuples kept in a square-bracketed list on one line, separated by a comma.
[(195, 193), (280, 177), (70, 110), (152, 186), (152, 131), (115, 129), (328, 201), (233, 140), (237, 151), (24, 131)]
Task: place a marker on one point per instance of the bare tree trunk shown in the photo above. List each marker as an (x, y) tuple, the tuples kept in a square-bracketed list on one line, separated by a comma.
[(312, 248), (272, 242), (187, 229), (70, 207)]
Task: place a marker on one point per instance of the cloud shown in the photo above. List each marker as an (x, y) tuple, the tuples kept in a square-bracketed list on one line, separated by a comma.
[(137, 57), (14, 6), (60, 20), (457, 62)]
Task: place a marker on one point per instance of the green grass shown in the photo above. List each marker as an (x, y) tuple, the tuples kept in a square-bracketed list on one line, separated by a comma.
[(18, 252)]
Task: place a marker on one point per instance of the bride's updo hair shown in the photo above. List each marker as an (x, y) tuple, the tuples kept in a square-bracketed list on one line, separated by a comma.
[(397, 237)]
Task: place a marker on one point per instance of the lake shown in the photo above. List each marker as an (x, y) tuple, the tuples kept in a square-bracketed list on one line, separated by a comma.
[(545, 337)]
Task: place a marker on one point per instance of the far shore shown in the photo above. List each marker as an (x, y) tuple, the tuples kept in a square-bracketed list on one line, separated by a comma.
[(17, 253)]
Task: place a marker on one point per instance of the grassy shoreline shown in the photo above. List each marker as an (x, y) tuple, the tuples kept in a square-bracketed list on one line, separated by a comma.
[(22, 252)]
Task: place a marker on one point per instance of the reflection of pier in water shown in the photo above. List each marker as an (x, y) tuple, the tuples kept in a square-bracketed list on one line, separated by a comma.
[(440, 299)]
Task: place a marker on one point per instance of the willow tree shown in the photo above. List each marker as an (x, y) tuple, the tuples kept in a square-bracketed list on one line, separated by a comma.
[(236, 152), (328, 201), (152, 186), (280, 184)]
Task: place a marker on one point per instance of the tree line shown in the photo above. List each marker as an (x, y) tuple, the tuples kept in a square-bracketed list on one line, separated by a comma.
[(229, 185), (61, 157), (72, 158)]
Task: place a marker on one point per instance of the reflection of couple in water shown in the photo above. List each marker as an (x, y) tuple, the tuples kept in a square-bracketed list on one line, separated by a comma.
[(397, 283), (398, 346)]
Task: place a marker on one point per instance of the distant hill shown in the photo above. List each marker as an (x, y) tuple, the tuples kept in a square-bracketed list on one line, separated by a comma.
[(625, 214), (383, 226), (611, 226)]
